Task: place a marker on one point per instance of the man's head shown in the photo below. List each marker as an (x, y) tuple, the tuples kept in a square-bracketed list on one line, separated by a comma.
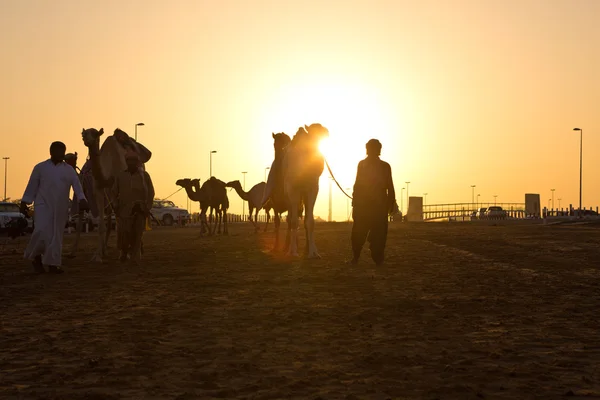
[(57, 152), (132, 159), (373, 147)]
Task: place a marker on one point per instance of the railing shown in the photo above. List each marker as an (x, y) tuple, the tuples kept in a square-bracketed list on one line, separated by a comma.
[(469, 211)]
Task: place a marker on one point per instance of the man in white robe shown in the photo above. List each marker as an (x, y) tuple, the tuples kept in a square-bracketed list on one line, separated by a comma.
[(48, 188)]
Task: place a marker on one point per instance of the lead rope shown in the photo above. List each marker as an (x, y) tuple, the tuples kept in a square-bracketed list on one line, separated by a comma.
[(335, 180)]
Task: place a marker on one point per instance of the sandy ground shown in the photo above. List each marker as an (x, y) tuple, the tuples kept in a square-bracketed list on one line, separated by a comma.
[(459, 312)]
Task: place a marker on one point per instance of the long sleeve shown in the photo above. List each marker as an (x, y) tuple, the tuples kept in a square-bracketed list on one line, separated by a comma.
[(356, 188), (33, 186), (390, 189), (150, 186), (77, 189)]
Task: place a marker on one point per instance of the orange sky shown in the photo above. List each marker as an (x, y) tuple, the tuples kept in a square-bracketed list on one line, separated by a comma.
[(459, 92)]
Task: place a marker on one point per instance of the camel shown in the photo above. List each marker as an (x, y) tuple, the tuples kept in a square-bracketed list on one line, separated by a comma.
[(217, 201), (253, 197), (211, 195), (274, 193), (303, 165), (104, 164), (192, 188)]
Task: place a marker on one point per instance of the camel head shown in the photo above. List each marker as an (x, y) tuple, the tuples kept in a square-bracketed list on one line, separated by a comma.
[(186, 182), (317, 131), (195, 182), (280, 141), (91, 137), (233, 184)]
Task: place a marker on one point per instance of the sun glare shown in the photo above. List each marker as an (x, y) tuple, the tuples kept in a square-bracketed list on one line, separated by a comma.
[(351, 111)]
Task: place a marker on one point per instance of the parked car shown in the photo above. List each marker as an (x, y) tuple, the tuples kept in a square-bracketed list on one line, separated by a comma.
[(495, 212), (167, 213), (11, 217), (91, 220), (481, 213)]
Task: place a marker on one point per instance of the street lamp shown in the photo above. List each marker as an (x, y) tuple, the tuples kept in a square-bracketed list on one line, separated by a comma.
[(549, 200), (244, 201), (473, 195), (136, 125), (580, 161), (266, 169), (5, 174), (552, 190), (407, 198), (424, 198), (211, 153), (495, 198), (478, 200)]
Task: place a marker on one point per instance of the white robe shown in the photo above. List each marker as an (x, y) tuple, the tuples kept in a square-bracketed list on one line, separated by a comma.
[(48, 188)]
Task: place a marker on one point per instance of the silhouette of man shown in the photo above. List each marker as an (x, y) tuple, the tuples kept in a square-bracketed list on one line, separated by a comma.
[(48, 189), (373, 199), (134, 192)]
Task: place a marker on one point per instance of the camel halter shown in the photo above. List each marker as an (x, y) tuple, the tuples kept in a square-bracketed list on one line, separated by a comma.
[(335, 180)]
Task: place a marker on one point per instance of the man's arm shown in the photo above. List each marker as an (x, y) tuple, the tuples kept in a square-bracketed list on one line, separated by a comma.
[(77, 189), (390, 188), (357, 182), (33, 186)]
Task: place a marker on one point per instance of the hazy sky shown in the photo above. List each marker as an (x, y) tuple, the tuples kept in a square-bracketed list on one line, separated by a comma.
[(459, 92)]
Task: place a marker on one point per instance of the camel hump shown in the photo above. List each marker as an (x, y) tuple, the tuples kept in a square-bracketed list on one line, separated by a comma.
[(270, 185)]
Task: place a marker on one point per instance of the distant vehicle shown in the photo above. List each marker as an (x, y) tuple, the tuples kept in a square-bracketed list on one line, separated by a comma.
[(481, 213), (167, 212), (11, 217), (495, 212), (584, 213), (91, 220)]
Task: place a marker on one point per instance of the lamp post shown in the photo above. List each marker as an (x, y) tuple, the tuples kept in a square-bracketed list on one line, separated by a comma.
[(244, 201), (266, 169), (211, 153), (5, 173), (580, 161), (136, 125), (477, 201), (473, 195), (348, 206), (402, 200), (559, 203), (495, 198), (552, 190), (424, 198), (407, 198)]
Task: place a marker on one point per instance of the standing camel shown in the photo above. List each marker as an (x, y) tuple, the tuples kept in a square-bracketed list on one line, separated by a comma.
[(302, 167), (193, 190), (253, 197), (104, 164), (218, 202), (274, 193)]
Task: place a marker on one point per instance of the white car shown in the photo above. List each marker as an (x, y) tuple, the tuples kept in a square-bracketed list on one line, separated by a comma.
[(495, 212), (10, 214), (167, 212)]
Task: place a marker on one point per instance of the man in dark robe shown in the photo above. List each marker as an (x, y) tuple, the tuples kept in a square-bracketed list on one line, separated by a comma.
[(373, 199)]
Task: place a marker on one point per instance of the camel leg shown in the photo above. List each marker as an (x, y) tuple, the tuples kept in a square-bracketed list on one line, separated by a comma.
[(309, 221), (293, 226), (225, 230), (277, 223), (78, 227), (268, 218), (100, 250), (108, 230)]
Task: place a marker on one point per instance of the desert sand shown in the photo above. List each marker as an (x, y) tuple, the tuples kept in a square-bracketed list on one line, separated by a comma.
[(459, 311)]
